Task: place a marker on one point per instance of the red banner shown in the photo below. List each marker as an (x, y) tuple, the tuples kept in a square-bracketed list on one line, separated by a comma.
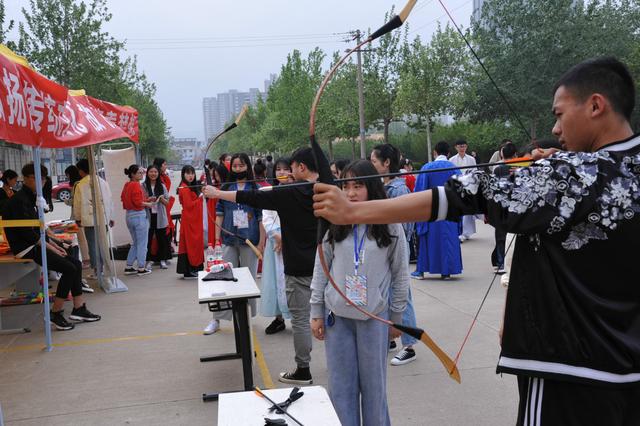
[(37, 111)]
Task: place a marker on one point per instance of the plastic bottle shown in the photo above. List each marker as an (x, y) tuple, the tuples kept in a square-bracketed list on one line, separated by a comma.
[(217, 254), (209, 257)]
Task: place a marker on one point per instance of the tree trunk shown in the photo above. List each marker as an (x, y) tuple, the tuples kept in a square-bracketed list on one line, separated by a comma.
[(330, 150), (353, 150), (533, 130), (429, 149), (386, 122)]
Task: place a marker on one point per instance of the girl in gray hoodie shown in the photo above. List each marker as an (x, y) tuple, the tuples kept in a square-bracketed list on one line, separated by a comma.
[(369, 263)]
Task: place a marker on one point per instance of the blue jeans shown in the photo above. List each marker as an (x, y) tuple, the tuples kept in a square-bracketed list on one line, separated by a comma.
[(357, 365), (409, 319), (90, 235), (138, 225)]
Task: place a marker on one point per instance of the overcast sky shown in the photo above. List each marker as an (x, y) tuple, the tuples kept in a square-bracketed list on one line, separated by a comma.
[(193, 49)]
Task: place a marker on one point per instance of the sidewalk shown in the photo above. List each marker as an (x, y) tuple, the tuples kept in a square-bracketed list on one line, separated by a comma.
[(140, 364)]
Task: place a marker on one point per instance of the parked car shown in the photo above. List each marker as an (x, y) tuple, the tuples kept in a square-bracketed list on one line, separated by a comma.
[(61, 192)]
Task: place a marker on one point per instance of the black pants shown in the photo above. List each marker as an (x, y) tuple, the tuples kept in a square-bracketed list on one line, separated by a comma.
[(164, 251), (70, 268), (547, 402)]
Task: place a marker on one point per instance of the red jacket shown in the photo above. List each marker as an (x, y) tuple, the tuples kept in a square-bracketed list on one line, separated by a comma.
[(132, 196)]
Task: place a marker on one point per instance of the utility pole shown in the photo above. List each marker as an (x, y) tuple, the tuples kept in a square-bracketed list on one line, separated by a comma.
[(363, 148)]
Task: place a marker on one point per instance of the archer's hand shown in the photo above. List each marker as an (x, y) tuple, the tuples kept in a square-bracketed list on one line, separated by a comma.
[(538, 154), (331, 203), (317, 328), (211, 192), (394, 333)]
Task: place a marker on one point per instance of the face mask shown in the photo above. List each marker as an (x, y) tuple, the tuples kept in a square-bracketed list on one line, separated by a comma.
[(238, 176)]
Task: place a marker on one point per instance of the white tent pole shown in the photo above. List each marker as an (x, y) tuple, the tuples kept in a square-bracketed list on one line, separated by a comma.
[(43, 248)]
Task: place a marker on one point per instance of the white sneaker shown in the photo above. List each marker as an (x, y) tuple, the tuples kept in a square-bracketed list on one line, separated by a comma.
[(212, 327), (86, 287), (149, 265), (163, 265)]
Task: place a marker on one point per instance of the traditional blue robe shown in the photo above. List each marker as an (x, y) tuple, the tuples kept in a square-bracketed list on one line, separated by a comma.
[(439, 246)]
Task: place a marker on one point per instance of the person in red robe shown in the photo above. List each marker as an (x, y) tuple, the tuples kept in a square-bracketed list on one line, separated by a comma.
[(161, 163), (192, 241)]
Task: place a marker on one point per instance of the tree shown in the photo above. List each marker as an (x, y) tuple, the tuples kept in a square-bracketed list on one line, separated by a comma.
[(381, 68), (64, 40), (527, 45), (433, 78), (338, 109), (5, 30)]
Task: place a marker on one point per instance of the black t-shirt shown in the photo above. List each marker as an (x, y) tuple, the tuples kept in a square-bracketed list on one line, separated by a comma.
[(299, 226)]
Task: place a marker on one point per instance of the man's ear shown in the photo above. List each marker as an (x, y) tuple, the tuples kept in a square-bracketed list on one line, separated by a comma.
[(598, 104)]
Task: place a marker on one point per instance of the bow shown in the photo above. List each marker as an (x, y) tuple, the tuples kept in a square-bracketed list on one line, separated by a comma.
[(325, 176)]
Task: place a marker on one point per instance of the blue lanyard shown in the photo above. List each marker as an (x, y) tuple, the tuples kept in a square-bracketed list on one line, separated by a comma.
[(357, 248)]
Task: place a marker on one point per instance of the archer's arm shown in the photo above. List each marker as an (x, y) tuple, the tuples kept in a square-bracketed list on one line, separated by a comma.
[(332, 204)]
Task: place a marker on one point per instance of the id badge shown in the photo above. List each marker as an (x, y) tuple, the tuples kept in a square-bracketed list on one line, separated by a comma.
[(240, 219), (356, 289)]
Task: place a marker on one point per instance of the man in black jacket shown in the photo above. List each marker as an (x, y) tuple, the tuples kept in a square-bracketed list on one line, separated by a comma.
[(572, 317), (25, 243), (294, 206)]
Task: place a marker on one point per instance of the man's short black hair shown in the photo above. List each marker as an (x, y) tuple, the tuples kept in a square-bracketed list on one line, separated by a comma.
[(83, 164), (461, 142), (442, 148), (509, 151), (304, 156), (605, 75), (30, 170), (269, 158)]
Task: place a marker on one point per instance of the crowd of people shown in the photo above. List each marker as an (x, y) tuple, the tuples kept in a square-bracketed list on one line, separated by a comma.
[(564, 333)]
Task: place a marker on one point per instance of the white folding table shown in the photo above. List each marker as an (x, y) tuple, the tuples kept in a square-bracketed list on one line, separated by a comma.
[(234, 295), (247, 408)]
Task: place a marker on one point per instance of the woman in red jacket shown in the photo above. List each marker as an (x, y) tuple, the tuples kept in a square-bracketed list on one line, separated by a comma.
[(135, 204), (195, 232)]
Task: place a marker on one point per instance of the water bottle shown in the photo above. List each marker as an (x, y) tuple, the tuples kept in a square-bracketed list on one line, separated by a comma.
[(209, 257), (217, 254)]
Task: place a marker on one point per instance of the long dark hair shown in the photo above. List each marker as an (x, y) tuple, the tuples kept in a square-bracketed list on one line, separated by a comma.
[(9, 174), (375, 191), (157, 190), (195, 185), (389, 152), (245, 159), (222, 170), (74, 175)]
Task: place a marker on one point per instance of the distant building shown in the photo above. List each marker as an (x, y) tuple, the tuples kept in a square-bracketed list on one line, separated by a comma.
[(218, 110), (188, 150), (477, 9)]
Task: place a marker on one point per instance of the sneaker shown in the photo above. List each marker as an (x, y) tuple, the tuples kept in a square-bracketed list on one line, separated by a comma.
[(149, 265), (501, 270), (302, 376), (190, 276), (405, 356), (212, 327), (392, 345), (86, 287), (59, 321), (130, 270), (445, 277), (163, 265), (142, 272), (417, 275), (462, 238), (83, 314), (276, 326)]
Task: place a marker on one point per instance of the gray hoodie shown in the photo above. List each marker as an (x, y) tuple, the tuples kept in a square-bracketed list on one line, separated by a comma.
[(386, 269)]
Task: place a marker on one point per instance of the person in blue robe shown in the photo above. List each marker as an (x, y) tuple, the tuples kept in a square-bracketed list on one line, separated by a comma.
[(439, 247)]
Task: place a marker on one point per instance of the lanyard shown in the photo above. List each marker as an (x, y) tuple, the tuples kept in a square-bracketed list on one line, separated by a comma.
[(357, 248)]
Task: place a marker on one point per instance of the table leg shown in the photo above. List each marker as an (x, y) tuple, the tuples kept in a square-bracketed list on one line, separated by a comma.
[(243, 347)]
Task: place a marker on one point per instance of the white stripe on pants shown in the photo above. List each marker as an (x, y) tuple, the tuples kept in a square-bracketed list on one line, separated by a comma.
[(532, 415)]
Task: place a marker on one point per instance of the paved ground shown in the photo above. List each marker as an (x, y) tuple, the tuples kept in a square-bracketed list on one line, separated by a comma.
[(139, 365)]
